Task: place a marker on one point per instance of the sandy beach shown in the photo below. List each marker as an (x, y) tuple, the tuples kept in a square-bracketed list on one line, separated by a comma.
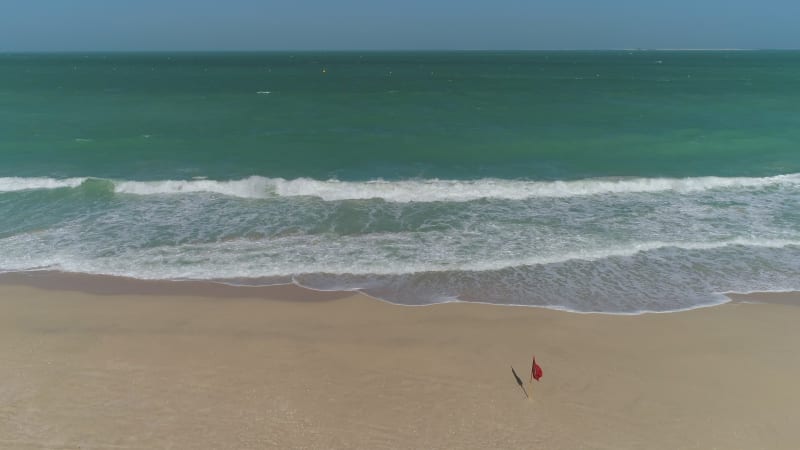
[(93, 365)]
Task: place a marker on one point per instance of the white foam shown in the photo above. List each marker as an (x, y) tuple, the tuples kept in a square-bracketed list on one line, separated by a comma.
[(302, 255), (253, 187), (588, 255), (432, 190), (460, 190), (12, 184), (443, 190), (666, 268), (418, 190), (611, 252)]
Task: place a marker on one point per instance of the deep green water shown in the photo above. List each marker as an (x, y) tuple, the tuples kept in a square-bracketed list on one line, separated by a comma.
[(357, 116), (616, 181)]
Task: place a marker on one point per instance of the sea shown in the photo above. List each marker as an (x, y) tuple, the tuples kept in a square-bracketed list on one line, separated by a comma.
[(608, 181)]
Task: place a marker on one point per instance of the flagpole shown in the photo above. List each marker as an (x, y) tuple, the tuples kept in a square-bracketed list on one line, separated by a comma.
[(536, 373), (530, 385)]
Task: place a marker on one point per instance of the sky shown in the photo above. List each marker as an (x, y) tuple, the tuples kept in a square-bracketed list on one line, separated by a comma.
[(196, 25)]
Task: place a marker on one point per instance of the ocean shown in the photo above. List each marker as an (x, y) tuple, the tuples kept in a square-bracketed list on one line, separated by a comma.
[(613, 181)]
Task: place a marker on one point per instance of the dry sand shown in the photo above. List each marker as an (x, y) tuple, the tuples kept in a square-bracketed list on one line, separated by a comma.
[(101, 369)]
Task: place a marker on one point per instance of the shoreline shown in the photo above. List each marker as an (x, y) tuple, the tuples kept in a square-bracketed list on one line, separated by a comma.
[(791, 298), (112, 285), (97, 284)]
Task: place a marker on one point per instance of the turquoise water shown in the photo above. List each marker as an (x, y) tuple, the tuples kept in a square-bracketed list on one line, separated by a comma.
[(590, 181)]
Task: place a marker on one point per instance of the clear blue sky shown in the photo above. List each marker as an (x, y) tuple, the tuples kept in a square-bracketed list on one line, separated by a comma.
[(44, 25)]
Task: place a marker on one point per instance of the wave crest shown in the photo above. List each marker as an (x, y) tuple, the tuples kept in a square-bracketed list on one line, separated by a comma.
[(404, 191), (467, 190), (13, 184), (252, 187)]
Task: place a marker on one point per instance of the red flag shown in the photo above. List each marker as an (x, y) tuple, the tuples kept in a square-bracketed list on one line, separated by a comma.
[(536, 371)]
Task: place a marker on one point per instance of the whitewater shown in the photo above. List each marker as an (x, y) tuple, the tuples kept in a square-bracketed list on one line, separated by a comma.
[(422, 190), (613, 245)]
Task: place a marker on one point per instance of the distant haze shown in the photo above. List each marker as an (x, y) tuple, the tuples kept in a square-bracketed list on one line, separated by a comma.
[(107, 25)]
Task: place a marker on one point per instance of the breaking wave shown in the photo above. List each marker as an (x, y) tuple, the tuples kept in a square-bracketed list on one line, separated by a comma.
[(12, 184), (415, 190)]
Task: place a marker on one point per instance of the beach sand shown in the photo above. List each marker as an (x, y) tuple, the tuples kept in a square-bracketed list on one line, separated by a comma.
[(144, 366)]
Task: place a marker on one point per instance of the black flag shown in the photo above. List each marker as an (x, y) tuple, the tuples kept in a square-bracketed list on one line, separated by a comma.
[(519, 382)]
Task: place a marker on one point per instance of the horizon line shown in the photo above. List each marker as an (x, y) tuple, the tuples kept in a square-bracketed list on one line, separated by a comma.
[(432, 50)]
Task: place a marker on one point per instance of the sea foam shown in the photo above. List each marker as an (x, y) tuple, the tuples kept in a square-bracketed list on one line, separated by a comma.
[(655, 279), (11, 184), (414, 190)]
